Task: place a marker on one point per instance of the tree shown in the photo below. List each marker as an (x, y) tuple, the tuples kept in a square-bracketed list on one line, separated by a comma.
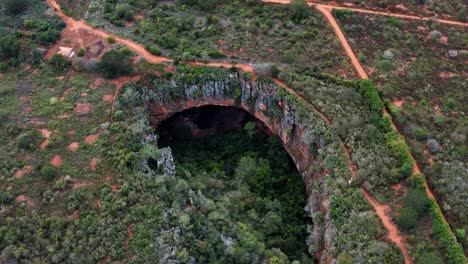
[(429, 258), (15, 7), (299, 9), (250, 129), (29, 140), (345, 258), (407, 218), (115, 63), (49, 173), (418, 200), (59, 62)]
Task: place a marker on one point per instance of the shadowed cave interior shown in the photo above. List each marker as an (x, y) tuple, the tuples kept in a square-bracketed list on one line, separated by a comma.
[(223, 150)]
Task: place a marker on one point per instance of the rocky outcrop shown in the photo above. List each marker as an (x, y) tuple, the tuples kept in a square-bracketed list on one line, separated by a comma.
[(302, 131), (260, 99)]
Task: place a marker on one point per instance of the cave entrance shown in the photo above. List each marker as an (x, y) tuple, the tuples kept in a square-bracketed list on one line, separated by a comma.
[(255, 194)]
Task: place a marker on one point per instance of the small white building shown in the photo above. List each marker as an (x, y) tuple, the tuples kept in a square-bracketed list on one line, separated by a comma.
[(66, 52)]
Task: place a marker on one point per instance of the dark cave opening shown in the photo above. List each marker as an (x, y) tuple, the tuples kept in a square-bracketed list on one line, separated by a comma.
[(209, 120), (221, 149)]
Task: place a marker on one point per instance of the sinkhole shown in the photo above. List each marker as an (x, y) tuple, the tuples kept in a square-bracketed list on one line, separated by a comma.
[(250, 196)]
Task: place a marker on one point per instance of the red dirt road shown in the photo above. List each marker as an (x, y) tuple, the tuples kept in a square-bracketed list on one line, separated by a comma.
[(326, 11), (365, 11), (393, 233)]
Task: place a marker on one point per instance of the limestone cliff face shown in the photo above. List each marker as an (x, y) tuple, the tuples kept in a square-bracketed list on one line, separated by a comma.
[(299, 129), (260, 99)]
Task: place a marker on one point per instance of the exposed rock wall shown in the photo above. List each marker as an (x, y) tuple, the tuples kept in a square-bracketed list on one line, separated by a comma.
[(269, 104)]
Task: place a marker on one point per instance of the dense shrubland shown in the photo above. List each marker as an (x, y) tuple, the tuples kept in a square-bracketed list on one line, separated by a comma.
[(23, 40), (427, 77), (450, 9), (154, 207), (233, 30)]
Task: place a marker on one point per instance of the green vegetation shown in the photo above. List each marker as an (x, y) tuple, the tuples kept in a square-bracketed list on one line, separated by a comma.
[(15, 7), (426, 79), (49, 173), (449, 9), (293, 36), (250, 183), (29, 140), (115, 63)]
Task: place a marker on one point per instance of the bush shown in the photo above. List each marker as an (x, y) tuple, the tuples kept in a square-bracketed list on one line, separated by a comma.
[(115, 63), (49, 173), (80, 53), (418, 200), (15, 7), (110, 40), (266, 69), (3, 67), (153, 50), (216, 54), (29, 140), (59, 63), (385, 65), (28, 23), (429, 258), (92, 65), (407, 218), (3, 117), (417, 182), (445, 238), (299, 9)]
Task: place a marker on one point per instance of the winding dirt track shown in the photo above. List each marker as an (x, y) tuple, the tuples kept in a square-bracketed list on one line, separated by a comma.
[(394, 235), (365, 11)]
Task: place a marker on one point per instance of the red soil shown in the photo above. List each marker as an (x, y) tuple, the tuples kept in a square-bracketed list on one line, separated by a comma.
[(444, 21), (398, 103), (83, 108), (76, 215), (74, 146), (108, 98), (91, 139), (97, 82), (393, 233), (93, 164), (64, 116), (24, 198), (57, 161), (129, 234), (77, 184), (45, 133), (119, 82), (28, 109), (115, 187), (20, 173), (326, 10)]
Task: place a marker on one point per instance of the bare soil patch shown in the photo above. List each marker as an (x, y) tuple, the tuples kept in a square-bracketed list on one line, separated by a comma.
[(20, 173), (24, 198), (74, 146), (56, 161), (93, 164), (83, 108), (46, 134), (91, 139), (108, 98)]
